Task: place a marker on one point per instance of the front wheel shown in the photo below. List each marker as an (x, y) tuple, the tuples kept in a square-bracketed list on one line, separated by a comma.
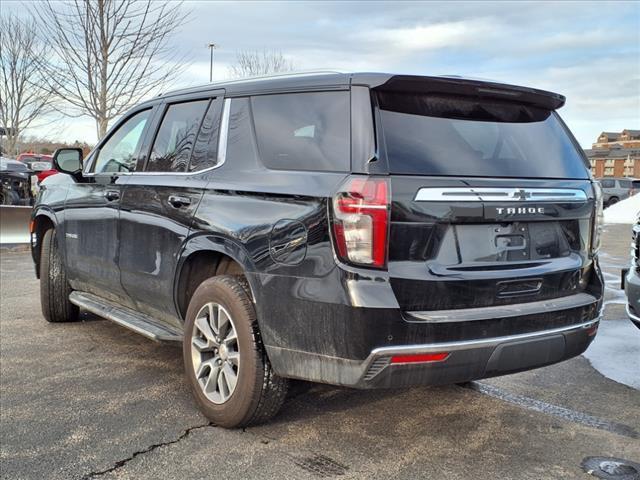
[(225, 361), (54, 287)]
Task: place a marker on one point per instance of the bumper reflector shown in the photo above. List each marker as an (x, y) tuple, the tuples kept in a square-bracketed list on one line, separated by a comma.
[(420, 358)]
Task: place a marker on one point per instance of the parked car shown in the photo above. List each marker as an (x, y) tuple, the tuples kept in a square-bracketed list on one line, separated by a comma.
[(616, 189), (631, 277), (43, 169), (15, 183), (366, 230), (41, 164), (29, 157)]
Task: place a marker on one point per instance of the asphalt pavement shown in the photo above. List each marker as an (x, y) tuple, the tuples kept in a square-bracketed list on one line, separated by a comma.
[(92, 400)]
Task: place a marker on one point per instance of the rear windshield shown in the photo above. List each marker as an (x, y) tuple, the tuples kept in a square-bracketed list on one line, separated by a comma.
[(439, 135)]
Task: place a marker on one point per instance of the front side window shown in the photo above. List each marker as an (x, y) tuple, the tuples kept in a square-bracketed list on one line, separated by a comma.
[(118, 153), (607, 183), (303, 131), (176, 136)]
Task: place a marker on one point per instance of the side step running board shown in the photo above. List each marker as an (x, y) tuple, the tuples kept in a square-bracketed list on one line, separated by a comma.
[(136, 321)]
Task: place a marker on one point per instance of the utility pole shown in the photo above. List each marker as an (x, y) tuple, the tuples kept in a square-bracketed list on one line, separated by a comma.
[(212, 47)]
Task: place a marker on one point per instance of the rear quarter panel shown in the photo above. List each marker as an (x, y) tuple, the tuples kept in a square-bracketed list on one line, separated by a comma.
[(275, 224)]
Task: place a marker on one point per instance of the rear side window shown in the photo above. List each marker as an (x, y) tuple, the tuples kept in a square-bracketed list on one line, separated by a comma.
[(625, 183), (303, 131), (607, 183), (175, 138), (450, 136), (205, 149)]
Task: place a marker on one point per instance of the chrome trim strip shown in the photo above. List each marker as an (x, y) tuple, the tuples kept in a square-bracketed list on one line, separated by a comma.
[(479, 194), (503, 311), (471, 344), (224, 132)]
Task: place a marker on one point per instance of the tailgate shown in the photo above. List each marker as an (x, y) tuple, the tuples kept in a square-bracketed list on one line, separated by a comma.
[(463, 243)]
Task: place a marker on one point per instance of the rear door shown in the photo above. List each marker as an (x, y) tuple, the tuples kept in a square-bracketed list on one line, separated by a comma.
[(491, 202), (159, 201)]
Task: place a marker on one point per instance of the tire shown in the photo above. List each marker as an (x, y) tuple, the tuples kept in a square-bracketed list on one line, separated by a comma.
[(54, 287), (9, 198), (612, 201), (211, 359)]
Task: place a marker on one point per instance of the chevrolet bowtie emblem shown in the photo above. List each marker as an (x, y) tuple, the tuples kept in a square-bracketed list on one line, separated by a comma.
[(521, 194)]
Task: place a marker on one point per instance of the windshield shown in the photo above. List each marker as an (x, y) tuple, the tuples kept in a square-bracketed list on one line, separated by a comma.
[(431, 135)]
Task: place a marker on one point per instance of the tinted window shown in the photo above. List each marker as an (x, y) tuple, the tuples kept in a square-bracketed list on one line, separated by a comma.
[(625, 183), (176, 136), (430, 135), (117, 154), (206, 147), (241, 148), (303, 131), (607, 183)]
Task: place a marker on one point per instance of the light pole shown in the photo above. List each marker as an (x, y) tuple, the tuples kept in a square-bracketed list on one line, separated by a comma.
[(212, 47)]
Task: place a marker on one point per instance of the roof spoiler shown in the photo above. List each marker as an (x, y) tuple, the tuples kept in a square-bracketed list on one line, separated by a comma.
[(473, 88)]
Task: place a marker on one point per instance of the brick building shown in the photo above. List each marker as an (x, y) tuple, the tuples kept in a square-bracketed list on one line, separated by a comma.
[(616, 154)]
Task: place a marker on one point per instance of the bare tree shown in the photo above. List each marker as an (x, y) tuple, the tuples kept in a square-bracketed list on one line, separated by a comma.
[(253, 63), (109, 54), (23, 96)]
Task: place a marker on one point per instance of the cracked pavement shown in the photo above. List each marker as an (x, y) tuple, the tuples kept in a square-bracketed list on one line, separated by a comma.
[(93, 400)]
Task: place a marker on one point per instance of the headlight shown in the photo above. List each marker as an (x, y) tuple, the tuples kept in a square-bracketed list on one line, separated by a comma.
[(598, 219)]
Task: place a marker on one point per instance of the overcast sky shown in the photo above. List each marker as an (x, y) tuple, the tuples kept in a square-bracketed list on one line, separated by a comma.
[(589, 52)]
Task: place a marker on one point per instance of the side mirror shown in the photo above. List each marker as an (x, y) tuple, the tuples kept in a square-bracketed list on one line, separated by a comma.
[(68, 160)]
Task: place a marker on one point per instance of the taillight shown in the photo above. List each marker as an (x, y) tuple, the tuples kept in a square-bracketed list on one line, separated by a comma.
[(598, 219), (361, 221)]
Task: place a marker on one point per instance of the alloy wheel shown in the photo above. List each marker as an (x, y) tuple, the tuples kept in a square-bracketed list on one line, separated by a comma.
[(215, 352)]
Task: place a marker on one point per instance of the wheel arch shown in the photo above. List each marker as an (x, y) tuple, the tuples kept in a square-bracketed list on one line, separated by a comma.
[(41, 221), (203, 257)]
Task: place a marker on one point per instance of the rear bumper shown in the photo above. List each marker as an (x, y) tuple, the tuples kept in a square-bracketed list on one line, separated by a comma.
[(466, 360), (346, 332)]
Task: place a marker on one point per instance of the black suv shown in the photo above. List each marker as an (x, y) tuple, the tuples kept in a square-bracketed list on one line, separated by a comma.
[(367, 230)]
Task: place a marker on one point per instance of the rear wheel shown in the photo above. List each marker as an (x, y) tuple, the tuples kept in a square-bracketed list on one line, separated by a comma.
[(54, 287), (225, 362), (612, 201)]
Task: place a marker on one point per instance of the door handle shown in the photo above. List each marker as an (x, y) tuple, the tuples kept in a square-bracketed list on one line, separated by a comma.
[(112, 195), (178, 201)]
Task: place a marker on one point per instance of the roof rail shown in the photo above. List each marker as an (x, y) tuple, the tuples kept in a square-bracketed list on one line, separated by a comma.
[(300, 73)]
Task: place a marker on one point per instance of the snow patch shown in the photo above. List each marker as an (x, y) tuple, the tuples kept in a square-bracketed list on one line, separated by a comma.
[(625, 211)]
